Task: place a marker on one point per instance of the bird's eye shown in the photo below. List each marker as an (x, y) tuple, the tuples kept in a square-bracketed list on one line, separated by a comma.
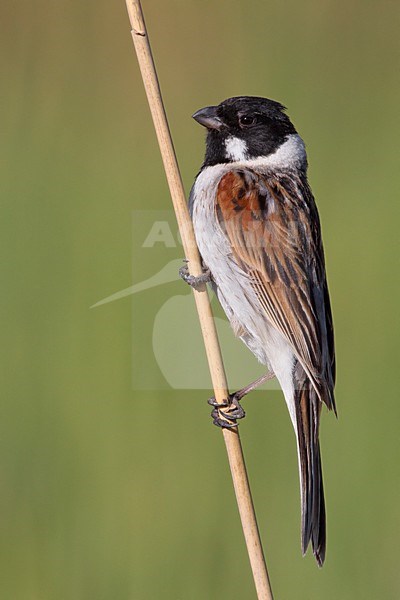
[(246, 120)]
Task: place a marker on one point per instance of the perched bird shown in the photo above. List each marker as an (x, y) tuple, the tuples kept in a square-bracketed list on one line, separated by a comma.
[(258, 233)]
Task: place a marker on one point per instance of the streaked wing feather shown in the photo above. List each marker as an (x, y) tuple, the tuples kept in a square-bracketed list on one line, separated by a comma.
[(273, 228)]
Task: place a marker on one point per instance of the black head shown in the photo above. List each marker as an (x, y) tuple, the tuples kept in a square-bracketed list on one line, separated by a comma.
[(243, 127)]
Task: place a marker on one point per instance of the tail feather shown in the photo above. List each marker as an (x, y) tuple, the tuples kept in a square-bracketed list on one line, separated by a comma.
[(313, 526)]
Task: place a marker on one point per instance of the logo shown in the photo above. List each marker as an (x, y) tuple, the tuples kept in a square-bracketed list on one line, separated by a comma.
[(167, 345)]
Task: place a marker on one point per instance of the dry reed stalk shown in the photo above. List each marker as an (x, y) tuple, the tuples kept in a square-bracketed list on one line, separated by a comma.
[(211, 343)]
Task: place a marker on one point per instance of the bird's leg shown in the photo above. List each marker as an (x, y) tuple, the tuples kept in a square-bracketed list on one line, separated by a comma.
[(234, 409), (193, 281)]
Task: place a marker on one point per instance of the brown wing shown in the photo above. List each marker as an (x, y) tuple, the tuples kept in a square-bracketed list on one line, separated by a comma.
[(273, 227)]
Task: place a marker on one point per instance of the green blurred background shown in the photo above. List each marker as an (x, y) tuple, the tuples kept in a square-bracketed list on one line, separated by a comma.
[(108, 491)]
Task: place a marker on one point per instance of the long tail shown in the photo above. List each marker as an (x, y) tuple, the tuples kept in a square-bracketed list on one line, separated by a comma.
[(313, 526)]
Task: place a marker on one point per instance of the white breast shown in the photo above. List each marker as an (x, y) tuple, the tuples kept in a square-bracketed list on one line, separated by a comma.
[(215, 249)]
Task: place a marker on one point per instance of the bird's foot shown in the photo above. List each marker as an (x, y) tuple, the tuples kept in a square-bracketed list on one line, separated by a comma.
[(226, 418), (192, 280)]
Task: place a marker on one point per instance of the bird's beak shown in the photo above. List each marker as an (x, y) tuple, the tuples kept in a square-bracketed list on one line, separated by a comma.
[(208, 117)]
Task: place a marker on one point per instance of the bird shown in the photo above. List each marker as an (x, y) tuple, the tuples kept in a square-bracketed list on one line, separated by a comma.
[(258, 232)]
